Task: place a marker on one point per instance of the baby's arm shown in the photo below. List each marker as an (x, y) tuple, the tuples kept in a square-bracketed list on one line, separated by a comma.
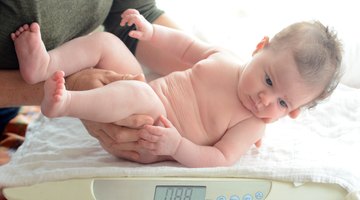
[(183, 46), (160, 140), (239, 139), (236, 141)]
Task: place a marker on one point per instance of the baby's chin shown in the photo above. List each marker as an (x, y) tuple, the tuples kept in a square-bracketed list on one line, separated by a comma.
[(264, 119), (268, 120)]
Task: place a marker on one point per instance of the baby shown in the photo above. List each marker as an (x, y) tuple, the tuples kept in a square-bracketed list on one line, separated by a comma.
[(209, 115)]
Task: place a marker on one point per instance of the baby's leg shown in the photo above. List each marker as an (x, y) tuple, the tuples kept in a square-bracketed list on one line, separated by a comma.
[(56, 98), (31, 52), (101, 50), (110, 103), (116, 56)]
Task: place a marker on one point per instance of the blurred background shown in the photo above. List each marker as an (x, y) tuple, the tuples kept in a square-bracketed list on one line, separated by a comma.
[(239, 25)]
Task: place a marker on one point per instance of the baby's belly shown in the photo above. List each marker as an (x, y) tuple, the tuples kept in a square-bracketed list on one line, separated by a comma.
[(182, 108)]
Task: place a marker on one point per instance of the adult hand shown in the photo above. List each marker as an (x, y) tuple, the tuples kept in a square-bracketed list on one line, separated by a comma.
[(119, 140), (94, 78), (4, 156)]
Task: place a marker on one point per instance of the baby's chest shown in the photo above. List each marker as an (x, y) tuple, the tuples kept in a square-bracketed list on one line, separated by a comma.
[(213, 119)]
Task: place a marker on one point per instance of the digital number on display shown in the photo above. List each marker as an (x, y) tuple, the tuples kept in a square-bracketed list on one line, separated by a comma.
[(179, 192)]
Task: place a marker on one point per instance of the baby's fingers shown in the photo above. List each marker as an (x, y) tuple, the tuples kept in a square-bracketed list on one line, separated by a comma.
[(148, 136), (129, 12), (128, 19), (131, 19), (136, 34)]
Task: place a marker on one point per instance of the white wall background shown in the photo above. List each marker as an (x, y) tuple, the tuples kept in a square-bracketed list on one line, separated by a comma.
[(238, 25)]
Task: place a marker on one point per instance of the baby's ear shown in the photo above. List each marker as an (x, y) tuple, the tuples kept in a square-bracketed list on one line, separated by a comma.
[(263, 43), (295, 113)]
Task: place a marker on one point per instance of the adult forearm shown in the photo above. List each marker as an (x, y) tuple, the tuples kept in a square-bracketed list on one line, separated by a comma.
[(15, 92)]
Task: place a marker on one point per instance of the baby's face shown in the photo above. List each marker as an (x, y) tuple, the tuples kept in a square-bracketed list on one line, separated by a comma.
[(271, 87)]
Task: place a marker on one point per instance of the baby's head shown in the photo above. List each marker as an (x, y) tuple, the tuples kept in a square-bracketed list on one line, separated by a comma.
[(317, 53), (299, 67)]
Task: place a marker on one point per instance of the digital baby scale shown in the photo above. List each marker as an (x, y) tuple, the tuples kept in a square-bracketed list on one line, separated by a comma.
[(180, 189), (175, 188)]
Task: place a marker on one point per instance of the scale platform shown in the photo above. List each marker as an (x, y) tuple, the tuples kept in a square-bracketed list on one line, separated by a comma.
[(181, 189), (175, 188)]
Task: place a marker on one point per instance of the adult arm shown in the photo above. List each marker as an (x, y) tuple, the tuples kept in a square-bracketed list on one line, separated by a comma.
[(15, 92)]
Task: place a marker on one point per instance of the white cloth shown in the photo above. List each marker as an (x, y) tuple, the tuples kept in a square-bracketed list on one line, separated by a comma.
[(320, 146)]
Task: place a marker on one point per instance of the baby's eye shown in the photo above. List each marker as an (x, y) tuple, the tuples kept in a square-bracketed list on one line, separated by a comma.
[(283, 103), (268, 80)]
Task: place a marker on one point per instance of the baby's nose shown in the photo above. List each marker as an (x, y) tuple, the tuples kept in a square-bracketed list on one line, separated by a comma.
[(265, 100)]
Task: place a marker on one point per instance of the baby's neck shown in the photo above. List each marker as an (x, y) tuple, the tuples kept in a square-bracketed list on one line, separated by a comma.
[(241, 68)]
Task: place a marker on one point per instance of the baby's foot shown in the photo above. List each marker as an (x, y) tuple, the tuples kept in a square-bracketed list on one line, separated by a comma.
[(56, 97), (31, 52)]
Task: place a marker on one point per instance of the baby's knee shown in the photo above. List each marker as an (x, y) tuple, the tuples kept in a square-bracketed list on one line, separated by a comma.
[(106, 38), (140, 94), (154, 104), (149, 94)]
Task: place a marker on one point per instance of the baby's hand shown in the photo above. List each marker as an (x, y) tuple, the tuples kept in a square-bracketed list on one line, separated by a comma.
[(144, 29), (160, 140)]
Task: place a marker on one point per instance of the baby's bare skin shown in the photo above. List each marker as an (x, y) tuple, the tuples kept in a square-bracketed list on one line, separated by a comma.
[(197, 104), (201, 108), (209, 115), (31, 52)]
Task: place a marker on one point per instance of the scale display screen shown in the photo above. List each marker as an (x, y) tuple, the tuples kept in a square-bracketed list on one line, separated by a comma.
[(179, 192)]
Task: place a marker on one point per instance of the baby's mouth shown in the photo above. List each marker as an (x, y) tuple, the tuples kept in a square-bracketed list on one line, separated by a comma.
[(253, 107)]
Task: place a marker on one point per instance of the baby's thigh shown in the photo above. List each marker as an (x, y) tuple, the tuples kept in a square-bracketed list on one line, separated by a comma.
[(116, 56)]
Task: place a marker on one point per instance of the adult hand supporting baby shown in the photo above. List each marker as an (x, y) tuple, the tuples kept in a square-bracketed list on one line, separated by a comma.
[(119, 140), (94, 78)]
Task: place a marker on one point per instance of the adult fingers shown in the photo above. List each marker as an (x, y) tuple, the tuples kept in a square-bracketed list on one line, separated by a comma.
[(121, 134), (121, 152), (145, 135), (147, 145), (4, 156), (136, 121), (111, 133), (112, 76)]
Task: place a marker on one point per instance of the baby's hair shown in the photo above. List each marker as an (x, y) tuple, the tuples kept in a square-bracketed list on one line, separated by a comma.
[(317, 52)]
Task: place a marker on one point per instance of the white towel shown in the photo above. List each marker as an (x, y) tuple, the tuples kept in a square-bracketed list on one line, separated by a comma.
[(320, 146)]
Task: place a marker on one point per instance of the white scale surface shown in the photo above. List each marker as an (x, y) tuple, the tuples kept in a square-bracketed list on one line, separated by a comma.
[(181, 189), (176, 188)]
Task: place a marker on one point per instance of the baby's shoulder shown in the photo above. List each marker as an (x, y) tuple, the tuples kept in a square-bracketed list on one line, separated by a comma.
[(219, 63)]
